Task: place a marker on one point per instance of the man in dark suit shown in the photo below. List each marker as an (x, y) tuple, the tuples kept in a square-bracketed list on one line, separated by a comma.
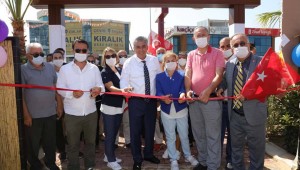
[(247, 117)]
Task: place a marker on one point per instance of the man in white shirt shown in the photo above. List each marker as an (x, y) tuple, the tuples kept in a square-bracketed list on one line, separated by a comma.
[(139, 72), (80, 105)]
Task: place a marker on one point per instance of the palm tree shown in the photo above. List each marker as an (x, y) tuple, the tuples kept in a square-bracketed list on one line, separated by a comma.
[(17, 18), (269, 19)]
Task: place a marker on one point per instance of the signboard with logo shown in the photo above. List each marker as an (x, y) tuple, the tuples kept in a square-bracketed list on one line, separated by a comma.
[(262, 32), (73, 32), (107, 34), (178, 30)]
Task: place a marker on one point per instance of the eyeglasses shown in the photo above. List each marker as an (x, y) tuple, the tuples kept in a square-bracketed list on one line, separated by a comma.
[(80, 50), (242, 44), (91, 61), (35, 55), (223, 46), (110, 56), (121, 56)]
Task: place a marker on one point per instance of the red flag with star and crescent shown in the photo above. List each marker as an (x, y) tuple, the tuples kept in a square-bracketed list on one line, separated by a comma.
[(155, 41), (270, 77)]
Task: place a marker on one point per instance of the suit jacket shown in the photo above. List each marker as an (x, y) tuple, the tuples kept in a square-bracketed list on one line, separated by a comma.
[(254, 110)]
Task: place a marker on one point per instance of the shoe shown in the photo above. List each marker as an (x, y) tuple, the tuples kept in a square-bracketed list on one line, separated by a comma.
[(228, 166), (128, 145), (80, 154), (137, 166), (192, 160), (174, 165), (166, 154), (117, 159), (114, 165), (200, 167), (153, 159), (62, 156)]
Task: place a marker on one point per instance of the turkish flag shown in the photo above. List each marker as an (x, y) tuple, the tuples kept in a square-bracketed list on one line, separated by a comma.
[(295, 75), (270, 77), (155, 41)]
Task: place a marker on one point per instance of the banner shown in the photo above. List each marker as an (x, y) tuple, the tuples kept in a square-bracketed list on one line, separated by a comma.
[(73, 32), (107, 34)]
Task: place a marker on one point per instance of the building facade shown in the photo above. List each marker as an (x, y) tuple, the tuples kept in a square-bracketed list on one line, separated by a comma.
[(181, 36), (98, 33)]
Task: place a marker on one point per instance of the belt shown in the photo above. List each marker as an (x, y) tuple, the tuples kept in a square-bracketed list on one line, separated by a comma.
[(225, 102), (211, 95), (241, 114)]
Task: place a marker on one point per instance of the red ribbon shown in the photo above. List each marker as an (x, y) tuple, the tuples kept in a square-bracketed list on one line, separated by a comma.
[(127, 95)]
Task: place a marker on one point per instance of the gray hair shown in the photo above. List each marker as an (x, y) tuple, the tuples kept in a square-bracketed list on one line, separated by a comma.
[(33, 45), (141, 39)]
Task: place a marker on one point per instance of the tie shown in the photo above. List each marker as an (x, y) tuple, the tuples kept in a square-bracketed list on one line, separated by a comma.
[(147, 80), (238, 85)]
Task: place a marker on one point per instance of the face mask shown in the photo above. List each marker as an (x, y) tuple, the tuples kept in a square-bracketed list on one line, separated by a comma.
[(227, 53), (80, 57), (97, 62), (182, 62), (201, 42), (159, 57), (122, 60), (111, 62), (171, 66), (241, 52), (58, 63), (38, 60)]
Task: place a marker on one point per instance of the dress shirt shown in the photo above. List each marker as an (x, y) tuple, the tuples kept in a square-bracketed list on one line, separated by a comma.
[(133, 74), (71, 77)]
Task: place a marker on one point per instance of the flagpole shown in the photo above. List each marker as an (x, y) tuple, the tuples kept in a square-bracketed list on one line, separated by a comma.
[(150, 19)]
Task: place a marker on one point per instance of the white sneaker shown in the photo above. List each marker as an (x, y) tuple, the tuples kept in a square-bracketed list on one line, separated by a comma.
[(117, 159), (166, 154), (114, 165), (229, 166), (174, 165), (192, 160)]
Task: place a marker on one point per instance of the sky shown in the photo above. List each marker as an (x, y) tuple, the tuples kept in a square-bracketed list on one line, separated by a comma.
[(141, 22)]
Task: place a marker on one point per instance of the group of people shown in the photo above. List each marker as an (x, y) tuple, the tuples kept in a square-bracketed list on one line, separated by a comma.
[(185, 85)]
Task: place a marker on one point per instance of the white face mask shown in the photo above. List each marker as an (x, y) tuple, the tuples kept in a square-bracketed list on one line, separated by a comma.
[(58, 63), (227, 53), (111, 62), (171, 66), (38, 60), (97, 62), (241, 52), (201, 42), (122, 60), (182, 62), (80, 57)]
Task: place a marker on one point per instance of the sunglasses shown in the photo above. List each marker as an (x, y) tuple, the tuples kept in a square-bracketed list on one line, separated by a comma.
[(81, 50), (35, 55), (223, 46), (121, 56), (90, 61), (241, 44), (110, 56)]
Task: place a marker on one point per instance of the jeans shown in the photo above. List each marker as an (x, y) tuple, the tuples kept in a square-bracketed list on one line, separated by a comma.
[(182, 126)]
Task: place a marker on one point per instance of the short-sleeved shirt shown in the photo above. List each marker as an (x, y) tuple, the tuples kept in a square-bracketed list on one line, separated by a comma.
[(40, 103), (204, 67)]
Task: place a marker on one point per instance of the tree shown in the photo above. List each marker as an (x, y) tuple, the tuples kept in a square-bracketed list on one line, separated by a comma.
[(269, 19), (17, 18)]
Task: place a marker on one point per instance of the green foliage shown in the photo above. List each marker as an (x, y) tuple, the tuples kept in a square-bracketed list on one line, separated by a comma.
[(15, 8), (269, 19), (284, 118)]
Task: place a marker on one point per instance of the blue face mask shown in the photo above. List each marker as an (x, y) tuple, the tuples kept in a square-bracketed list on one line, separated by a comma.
[(159, 57)]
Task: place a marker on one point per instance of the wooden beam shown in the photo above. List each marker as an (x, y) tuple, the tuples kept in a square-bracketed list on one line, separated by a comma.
[(42, 4)]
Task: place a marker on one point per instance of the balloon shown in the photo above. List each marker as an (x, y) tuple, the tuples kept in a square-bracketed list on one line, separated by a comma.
[(3, 56), (3, 31), (296, 55)]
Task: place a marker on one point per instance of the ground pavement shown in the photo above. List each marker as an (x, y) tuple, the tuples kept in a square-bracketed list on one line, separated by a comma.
[(127, 162)]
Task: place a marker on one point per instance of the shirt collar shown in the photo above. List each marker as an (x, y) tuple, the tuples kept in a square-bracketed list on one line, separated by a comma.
[(209, 49), (34, 68)]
